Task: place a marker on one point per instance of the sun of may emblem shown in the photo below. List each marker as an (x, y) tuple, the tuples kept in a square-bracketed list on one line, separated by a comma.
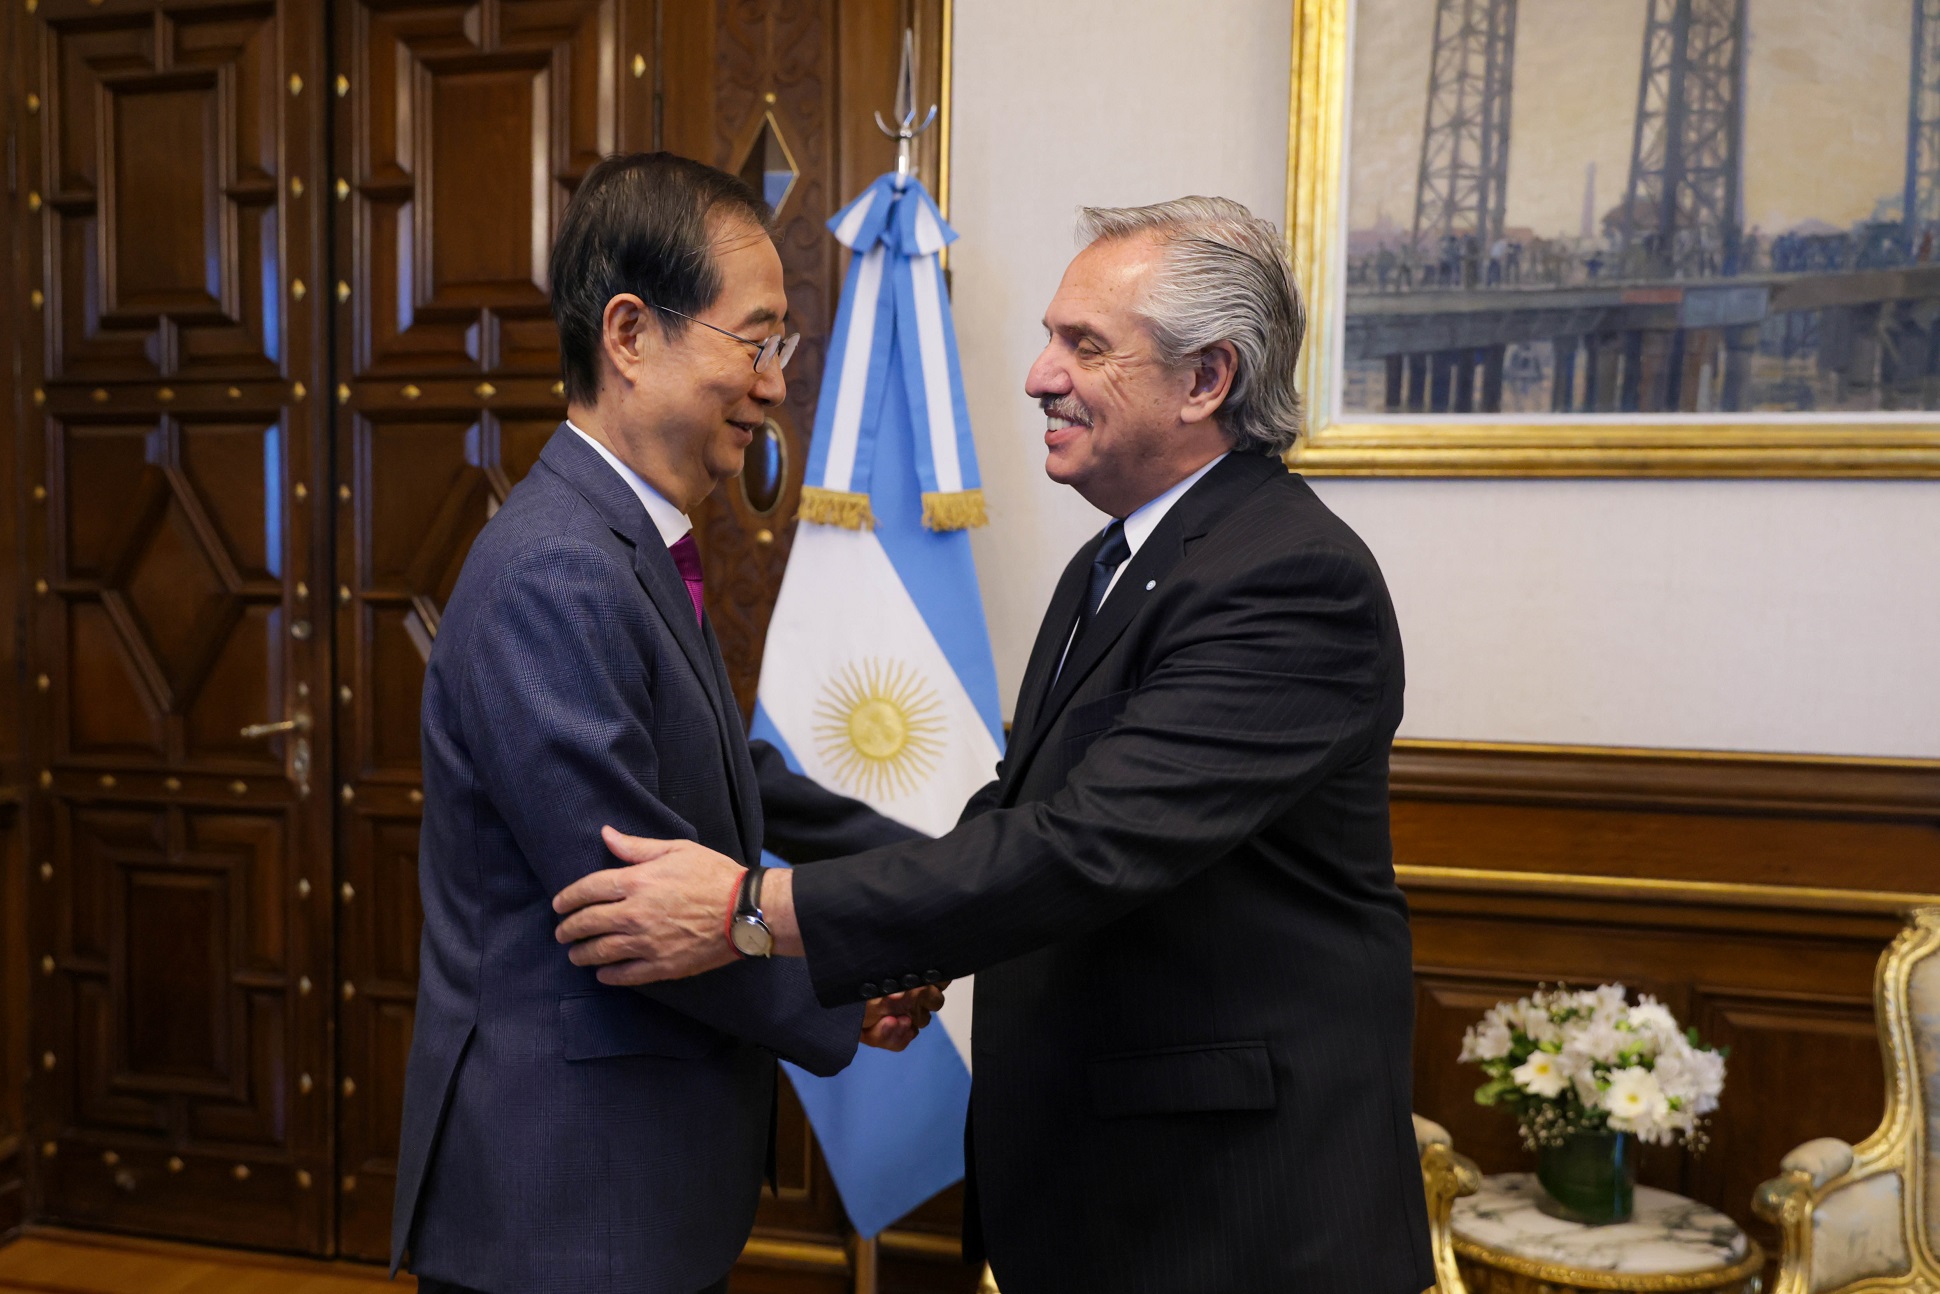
[(879, 728)]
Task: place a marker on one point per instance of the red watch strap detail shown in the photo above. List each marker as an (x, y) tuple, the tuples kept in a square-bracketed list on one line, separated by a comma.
[(734, 905)]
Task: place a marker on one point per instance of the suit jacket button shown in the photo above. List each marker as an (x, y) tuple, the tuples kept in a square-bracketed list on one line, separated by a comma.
[(869, 990), (912, 979), (932, 977)]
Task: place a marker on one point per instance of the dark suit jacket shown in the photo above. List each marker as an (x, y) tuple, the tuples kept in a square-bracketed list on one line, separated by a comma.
[(560, 1135), (1193, 1001)]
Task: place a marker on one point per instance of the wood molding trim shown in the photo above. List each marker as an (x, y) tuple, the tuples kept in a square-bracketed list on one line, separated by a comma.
[(1707, 893), (1704, 828), (1623, 777), (818, 1255), (795, 1255)]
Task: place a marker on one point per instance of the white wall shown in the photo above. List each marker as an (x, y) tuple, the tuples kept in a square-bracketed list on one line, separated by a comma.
[(1777, 616)]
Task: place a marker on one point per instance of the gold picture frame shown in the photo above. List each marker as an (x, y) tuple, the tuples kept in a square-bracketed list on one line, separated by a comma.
[(1883, 445)]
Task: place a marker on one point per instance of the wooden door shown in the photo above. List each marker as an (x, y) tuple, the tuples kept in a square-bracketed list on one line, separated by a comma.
[(461, 133), (181, 923), (14, 971), (233, 525)]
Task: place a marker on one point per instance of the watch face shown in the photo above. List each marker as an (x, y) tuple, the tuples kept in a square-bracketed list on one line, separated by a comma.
[(752, 938)]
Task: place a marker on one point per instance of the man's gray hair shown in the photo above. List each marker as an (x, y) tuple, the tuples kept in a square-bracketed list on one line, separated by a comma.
[(1225, 277)]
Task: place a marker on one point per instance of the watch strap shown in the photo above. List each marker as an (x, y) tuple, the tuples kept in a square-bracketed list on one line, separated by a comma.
[(734, 911), (748, 902)]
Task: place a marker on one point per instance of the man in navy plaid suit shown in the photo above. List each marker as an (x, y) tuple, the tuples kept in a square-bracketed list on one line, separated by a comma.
[(560, 1134)]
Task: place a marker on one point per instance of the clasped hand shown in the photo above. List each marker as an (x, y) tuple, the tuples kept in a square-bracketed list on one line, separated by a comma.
[(665, 915)]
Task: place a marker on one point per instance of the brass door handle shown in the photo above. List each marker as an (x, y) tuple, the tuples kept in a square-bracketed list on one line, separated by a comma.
[(300, 723)]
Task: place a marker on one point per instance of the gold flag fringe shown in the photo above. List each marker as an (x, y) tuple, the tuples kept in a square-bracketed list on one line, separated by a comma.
[(840, 508), (956, 510)]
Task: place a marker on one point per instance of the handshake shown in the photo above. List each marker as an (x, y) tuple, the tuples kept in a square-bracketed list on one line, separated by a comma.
[(664, 915)]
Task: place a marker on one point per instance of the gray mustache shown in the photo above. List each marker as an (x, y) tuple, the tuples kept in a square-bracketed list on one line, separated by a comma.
[(1069, 408)]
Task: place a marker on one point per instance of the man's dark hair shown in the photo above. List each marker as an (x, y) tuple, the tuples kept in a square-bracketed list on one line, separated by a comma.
[(639, 223)]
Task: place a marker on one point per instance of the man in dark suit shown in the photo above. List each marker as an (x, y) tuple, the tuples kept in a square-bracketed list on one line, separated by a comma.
[(1193, 1002), (560, 1134)]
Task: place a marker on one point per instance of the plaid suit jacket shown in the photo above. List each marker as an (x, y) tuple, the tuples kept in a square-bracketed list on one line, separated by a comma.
[(560, 1135)]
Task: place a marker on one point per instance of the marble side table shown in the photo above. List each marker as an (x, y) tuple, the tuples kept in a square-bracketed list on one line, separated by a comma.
[(1505, 1245)]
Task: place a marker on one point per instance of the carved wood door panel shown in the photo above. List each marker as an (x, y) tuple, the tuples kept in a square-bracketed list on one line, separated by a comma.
[(180, 917), (461, 134)]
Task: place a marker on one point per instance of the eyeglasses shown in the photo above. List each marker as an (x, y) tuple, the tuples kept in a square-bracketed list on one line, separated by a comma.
[(771, 350)]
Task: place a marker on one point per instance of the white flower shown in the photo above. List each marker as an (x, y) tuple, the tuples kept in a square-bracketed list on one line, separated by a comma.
[(1607, 1002), (1489, 1040), (1637, 1104), (1653, 1020), (1673, 1072), (1536, 1023), (1701, 1078), (1541, 1075), (1596, 1040)]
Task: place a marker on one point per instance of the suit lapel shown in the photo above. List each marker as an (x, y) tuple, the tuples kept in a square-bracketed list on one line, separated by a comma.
[(653, 566), (1051, 637), (741, 777), (1154, 560), (1196, 513)]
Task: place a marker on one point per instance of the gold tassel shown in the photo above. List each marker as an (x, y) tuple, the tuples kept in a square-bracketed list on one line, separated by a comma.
[(836, 508), (956, 510)]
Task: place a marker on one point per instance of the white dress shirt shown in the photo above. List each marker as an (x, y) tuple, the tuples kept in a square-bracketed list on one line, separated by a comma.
[(1140, 525), (670, 521), (1138, 528)]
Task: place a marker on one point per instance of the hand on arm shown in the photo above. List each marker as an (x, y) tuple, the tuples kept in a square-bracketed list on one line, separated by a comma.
[(564, 736), (664, 916)]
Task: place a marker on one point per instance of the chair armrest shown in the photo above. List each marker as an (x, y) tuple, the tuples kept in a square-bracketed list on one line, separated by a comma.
[(1834, 1228), (1429, 1133), (1786, 1203), (1820, 1159), (1445, 1177)]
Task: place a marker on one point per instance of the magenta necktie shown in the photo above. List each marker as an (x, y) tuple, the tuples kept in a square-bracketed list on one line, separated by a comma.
[(687, 556)]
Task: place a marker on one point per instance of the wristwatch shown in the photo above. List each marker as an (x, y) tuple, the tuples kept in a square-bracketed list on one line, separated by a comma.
[(748, 931)]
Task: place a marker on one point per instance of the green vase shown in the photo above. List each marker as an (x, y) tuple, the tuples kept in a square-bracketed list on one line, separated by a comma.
[(1590, 1178)]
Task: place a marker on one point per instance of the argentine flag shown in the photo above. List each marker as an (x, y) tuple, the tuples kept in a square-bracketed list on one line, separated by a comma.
[(877, 678)]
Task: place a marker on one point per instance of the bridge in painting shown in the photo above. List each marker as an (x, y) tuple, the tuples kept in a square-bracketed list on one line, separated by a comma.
[(1645, 346)]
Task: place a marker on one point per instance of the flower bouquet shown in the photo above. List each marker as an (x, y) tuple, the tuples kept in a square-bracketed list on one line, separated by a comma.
[(1588, 1076)]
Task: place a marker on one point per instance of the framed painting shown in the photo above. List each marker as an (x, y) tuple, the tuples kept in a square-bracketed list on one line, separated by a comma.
[(1625, 237)]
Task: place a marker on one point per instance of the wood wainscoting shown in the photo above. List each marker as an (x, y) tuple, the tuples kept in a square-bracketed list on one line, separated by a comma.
[(1752, 894)]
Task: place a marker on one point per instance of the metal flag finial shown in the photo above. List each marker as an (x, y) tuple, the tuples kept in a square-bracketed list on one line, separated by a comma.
[(906, 129)]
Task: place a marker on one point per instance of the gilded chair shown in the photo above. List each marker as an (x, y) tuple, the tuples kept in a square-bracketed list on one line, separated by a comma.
[(1867, 1217), (1446, 1176)]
